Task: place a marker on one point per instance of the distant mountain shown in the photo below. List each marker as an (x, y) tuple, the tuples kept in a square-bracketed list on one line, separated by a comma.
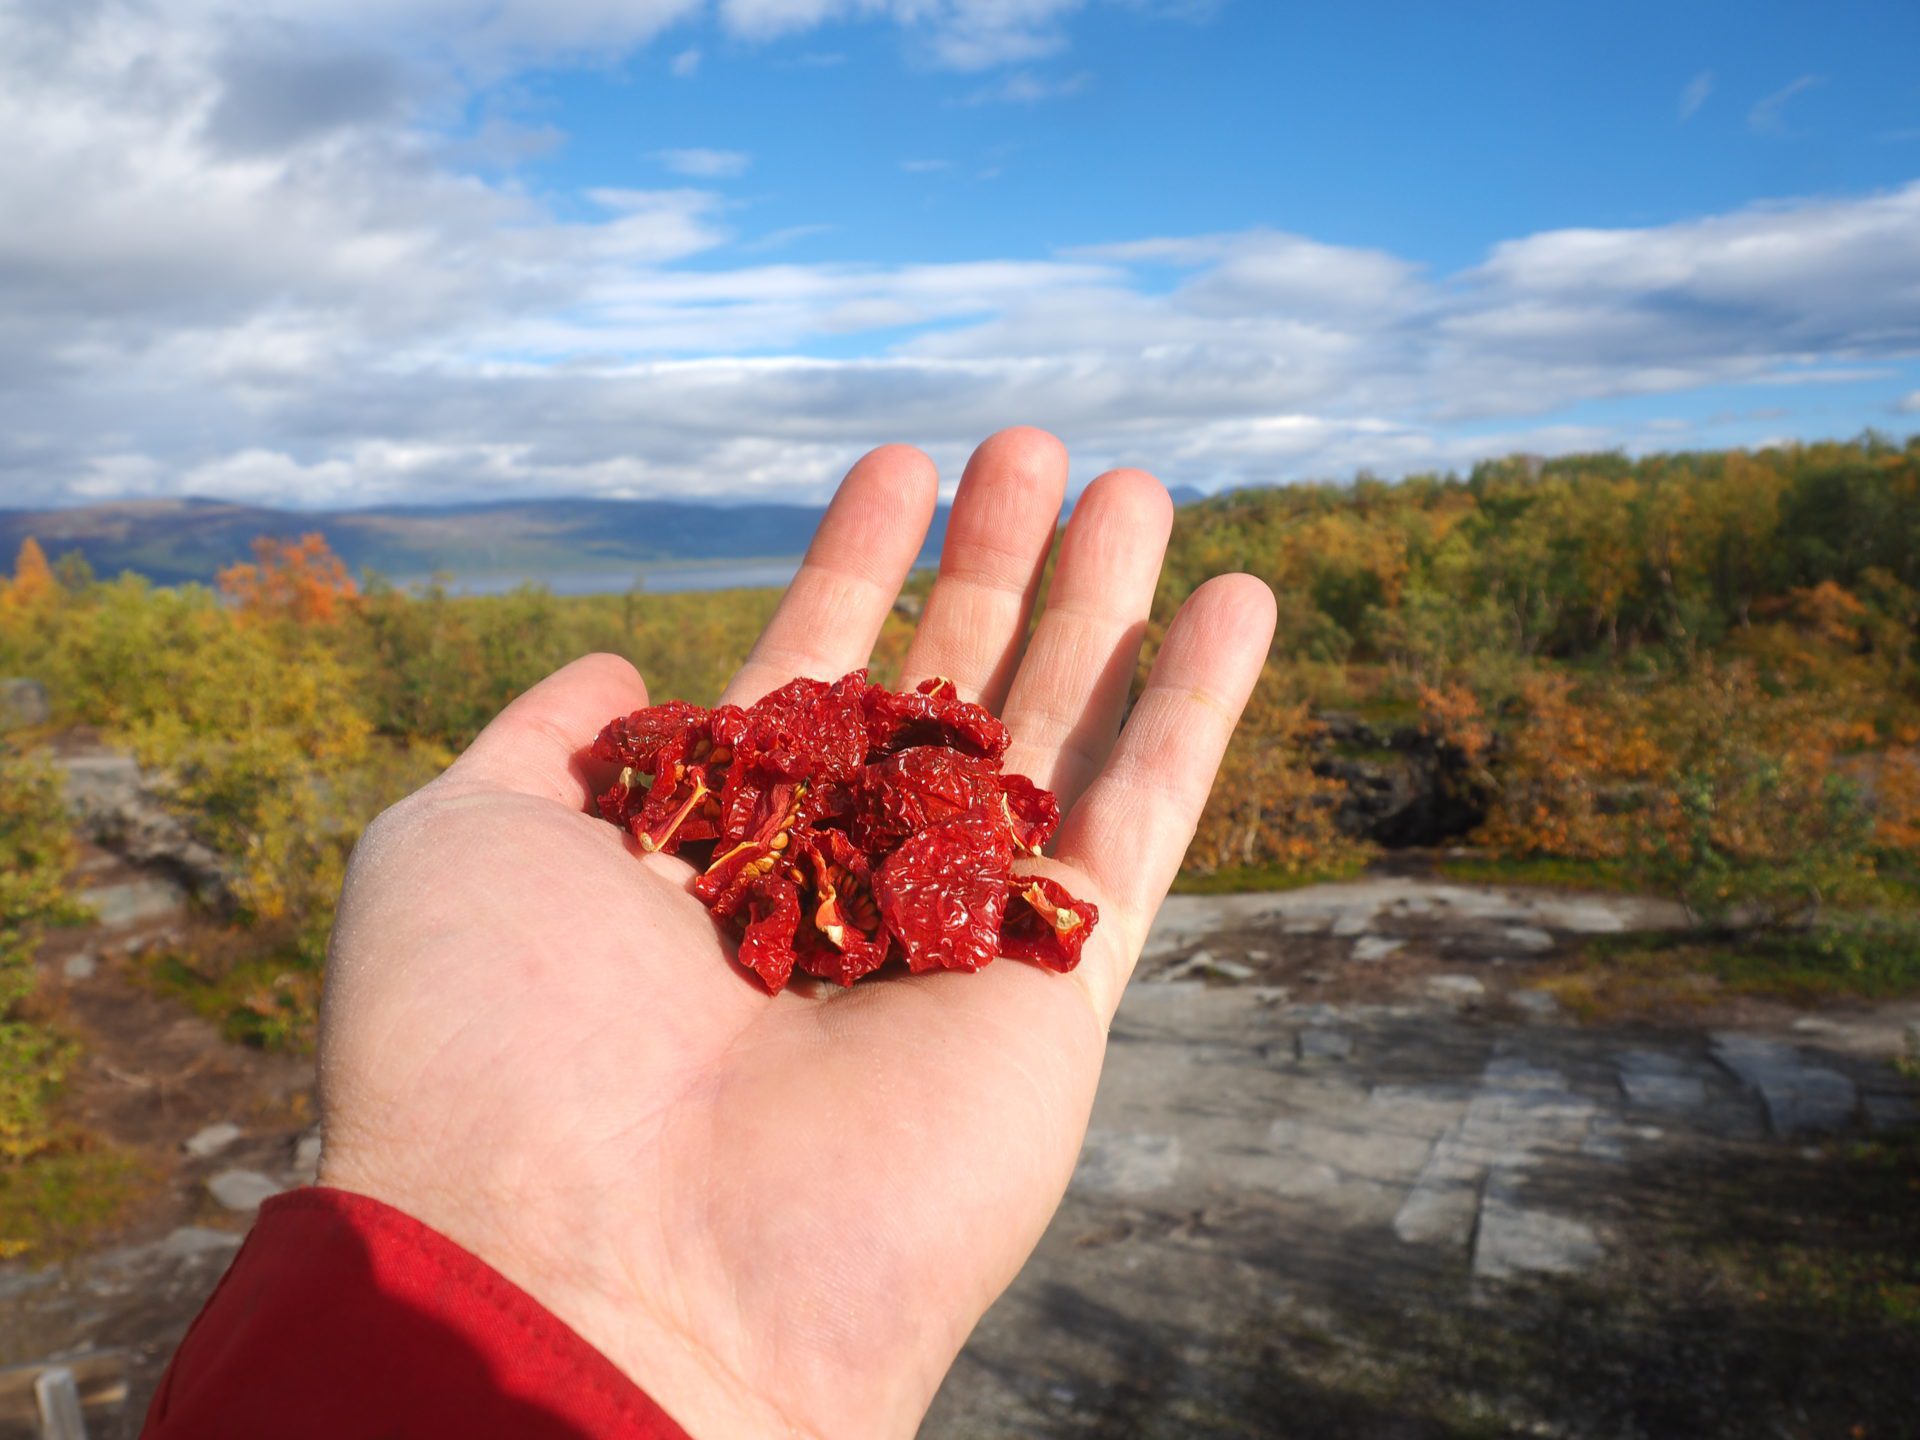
[(171, 541), (570, 544)]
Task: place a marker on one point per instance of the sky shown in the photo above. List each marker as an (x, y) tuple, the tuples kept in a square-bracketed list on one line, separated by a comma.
[(330, 253)]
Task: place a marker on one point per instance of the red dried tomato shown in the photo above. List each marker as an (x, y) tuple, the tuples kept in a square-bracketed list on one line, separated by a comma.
[(850, 824), (1045, 923)]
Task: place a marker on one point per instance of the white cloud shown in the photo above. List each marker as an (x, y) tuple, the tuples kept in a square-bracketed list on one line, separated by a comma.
[(309, 302), (788, 235), (1023, 87), (686, 64), (704, 164), (960, 34), (1695, 94), (1768, 116), (924, 167), (1909, 404)]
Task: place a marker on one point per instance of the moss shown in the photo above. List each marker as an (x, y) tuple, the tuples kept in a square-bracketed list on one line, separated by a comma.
[(1553, 871), (59, 1202), (1238, 879)]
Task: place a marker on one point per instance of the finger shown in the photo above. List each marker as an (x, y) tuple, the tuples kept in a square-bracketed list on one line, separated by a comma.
[(832, 612), (1071, 691), (1004, 517), (1130, 830), (536, 745)]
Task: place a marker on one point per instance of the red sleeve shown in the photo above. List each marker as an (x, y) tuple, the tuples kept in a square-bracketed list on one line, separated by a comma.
[(342, 1317)]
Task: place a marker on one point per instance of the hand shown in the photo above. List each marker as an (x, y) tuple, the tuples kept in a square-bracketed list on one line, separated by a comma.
[(781, 1215)]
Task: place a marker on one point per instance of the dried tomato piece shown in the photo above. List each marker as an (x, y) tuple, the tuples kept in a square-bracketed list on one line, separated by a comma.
[(910, 790), (850, 823), (1045, 923), (773, 915), (847, 938), (757, 853), (808, 728), (633, 740), (931, 715), (943, 893), (1032, 814)]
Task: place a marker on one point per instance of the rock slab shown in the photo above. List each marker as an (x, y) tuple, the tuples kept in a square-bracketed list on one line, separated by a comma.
[(1801, 1098), (242, 1190), (23, 704), (212, 1140)]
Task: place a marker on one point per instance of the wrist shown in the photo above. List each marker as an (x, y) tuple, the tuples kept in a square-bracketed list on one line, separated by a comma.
[(678, 1370)]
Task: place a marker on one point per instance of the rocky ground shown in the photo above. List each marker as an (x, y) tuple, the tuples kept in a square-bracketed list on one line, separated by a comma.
[(1352, 1172), (1423, 1202)]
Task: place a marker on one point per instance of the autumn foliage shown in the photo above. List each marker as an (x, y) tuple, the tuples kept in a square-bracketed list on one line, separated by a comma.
[(1694, 668), (32, 582), (300, 580)]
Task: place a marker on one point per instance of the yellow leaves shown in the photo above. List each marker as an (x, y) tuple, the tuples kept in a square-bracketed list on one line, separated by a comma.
[(1827, 614), (32, 583), (36, 851), (1452, 715), (1268, 809), (1895, 787)]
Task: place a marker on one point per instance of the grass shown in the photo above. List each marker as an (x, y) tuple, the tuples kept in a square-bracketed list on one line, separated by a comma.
[(1236, 879), (1662, 975), (259, 1000), (59, 1202), (1755, 1292), (1549, 871)]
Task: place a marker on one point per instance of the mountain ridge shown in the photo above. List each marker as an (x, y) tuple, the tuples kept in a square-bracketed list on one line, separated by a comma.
[(175, 540)]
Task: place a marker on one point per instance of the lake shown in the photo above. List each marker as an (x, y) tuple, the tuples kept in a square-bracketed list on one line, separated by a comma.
[(657, 579)]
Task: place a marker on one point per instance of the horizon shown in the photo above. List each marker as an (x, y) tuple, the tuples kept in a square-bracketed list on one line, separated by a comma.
[(462, 252)]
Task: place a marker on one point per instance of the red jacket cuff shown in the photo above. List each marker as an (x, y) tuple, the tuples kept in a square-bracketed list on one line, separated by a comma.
[(341, 1317)]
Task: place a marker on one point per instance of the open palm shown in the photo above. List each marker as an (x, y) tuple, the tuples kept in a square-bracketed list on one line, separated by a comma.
[(780, 1215)]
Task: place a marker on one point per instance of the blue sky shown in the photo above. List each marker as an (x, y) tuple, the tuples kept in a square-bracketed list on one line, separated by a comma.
[(1392, 126), (365, 251)]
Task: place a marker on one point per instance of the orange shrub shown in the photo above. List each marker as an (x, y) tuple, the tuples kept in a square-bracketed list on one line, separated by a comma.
[(1568, 775), (1268, 809), (32, 580), (303, 581)]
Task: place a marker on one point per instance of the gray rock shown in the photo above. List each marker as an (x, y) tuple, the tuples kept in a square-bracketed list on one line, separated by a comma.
[(1455, 987), (1656, 1081), (1204, 963), (306, 1158), (81, 966), (1521, 1113), (1541, 1004), (212, 1140), (1529, 937), (242, 1190), (1318, 1013), (1319, 1043), (1376, 947), (1889, 1112), (1801, 1098), (191, 1240), (1296, 1179), (1607, 1139), (1353, 1152), (132, 901), (121, 808), (1513, 1239), (1126, 1163), (1440, 1208), (23, 705)]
